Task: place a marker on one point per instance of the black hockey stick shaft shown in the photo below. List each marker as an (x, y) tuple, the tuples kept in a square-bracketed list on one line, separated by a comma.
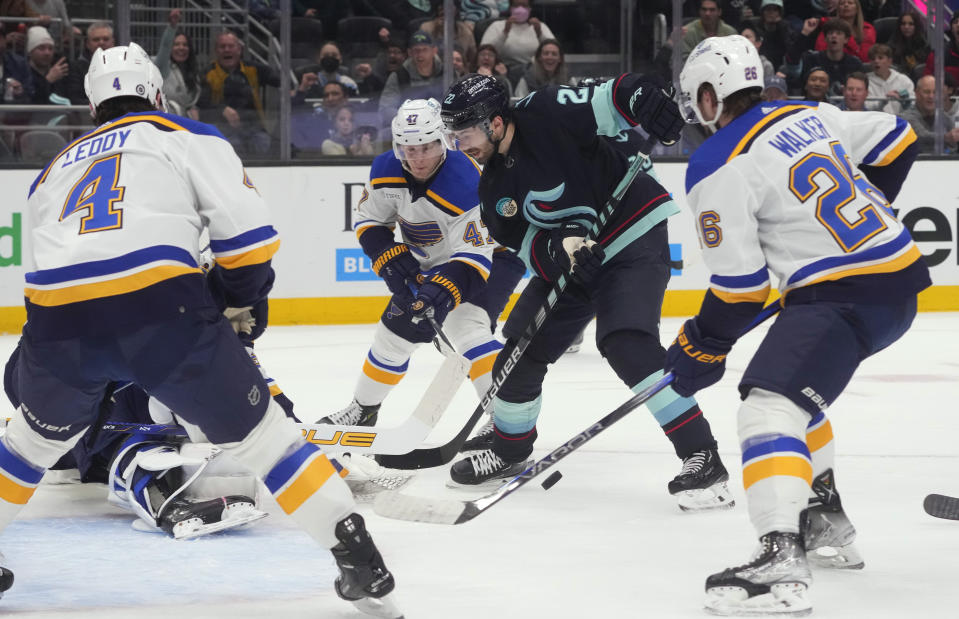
[(438, 456)]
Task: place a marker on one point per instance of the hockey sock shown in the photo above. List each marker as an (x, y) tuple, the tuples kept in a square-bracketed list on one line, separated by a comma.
[(305, 484), (467, 327), (777, 471), (18, 481), (481, 360), (515, 428), (637, 358), (822, 448), (384, 367)]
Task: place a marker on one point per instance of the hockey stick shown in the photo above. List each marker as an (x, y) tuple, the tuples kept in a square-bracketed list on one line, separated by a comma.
[(401, 506), (942, 506), (362, 439), (437, 456)]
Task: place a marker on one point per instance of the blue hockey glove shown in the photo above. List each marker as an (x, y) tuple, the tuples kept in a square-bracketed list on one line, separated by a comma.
[(261, 316), (396, 265), (695, 360), (432, 295), (653, 107)]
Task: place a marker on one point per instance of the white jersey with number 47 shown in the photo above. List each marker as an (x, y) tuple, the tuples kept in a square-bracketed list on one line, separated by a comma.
[(778, 189)]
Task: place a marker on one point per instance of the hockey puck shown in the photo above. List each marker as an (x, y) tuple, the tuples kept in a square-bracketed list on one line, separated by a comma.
[(550, 481)]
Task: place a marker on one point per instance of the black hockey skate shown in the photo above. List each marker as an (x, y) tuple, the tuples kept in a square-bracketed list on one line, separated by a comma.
[(186, 518), (483, 439), (6, 576), (484, 466), (364, 579), (701, 484), (355, 414), (827, 531), (775, 582)]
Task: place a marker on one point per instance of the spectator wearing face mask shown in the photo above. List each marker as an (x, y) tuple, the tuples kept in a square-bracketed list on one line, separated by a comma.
[(517, 37)]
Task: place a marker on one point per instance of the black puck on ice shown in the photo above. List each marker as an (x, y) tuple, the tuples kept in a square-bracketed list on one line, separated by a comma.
[(550, 481)]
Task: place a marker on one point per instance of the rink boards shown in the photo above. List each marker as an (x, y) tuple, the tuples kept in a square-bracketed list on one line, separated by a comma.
[(324, 278)]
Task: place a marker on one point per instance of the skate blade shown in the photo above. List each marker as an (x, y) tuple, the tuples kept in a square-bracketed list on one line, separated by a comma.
[(490, 484), (716, 496), (836, 557), (788, 599), (193, 528), (383, 607)]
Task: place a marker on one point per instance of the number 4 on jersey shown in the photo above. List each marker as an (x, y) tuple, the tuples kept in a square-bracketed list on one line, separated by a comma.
[(96, 192)]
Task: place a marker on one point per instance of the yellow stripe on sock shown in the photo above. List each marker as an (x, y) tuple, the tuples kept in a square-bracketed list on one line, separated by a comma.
[(820, 437), (777, 465), (379, 375), (12, 492), (483, 366), (309, 481)]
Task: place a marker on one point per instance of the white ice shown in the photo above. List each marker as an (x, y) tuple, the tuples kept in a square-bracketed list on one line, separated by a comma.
[(606, 542)]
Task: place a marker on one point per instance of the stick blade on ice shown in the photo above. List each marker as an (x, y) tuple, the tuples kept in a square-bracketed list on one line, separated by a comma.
[(399, 506)]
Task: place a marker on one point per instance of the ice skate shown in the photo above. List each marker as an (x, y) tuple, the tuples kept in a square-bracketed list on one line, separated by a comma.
[(187, 519), (364, 579), (366, 478), (576, 345), (701, 484), (828, 533), (482, 467), (6, 576), (775, 582), (355, 414), (483, 439)]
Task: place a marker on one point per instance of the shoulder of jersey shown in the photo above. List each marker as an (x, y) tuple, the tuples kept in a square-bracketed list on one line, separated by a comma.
[(387, 171), (738, 137), (160, 120), (455, 190)]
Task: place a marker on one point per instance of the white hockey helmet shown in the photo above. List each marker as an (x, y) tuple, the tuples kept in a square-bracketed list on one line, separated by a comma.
[(123, 71), (418, 124), (728, 64)]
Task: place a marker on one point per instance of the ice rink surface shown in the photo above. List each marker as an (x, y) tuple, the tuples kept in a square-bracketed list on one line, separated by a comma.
[(606, 542)]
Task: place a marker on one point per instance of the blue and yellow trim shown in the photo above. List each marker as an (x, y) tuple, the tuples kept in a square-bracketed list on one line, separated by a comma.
[(252, 247), (818, 432), (482, 358), (18, 479), (774, 455), (891, 145), (383, 373), (298, 476), (752, 288)]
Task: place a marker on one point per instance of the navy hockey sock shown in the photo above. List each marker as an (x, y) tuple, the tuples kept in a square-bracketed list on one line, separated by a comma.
[(690, 432)]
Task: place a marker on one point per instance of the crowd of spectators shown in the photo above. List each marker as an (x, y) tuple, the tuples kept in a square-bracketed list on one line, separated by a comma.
[(346, 90), (832, 50)]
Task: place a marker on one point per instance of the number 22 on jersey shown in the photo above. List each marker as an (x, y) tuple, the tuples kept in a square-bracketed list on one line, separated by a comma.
[(96, 192)]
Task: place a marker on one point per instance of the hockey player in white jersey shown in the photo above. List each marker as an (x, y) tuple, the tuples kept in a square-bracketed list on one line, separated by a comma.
[(115, 293), (801, 190), (442, 262)]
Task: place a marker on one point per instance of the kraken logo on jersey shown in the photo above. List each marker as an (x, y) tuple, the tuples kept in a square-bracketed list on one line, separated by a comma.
[(507, 207), (420, 234)]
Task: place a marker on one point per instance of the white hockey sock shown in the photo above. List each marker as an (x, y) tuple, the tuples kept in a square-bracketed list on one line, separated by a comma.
[(304, 482), (822, 447), (467, 326), (384, 367), (777, 471)]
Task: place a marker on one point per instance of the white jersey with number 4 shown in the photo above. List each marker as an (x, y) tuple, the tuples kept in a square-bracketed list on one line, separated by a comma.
[(778, 189)]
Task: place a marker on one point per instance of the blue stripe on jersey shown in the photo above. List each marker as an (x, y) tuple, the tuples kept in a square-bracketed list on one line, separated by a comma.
[(391, 368), (287, 467), (110, 266), (193, 126), (482, 349), (886, 142), (766, 444), (741, 281), (240, 241), (873, 253), (457, 181), (19, 468), (486, 262)]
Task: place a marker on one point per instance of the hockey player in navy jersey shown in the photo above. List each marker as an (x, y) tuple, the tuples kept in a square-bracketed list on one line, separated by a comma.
[(547, 174), (443, 263), (115, 293), (801, 190)]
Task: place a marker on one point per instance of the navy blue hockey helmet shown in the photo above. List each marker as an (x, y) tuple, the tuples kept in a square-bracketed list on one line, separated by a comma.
[(474, 99)]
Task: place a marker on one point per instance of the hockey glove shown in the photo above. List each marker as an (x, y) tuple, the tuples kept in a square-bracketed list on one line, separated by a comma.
[(556, 254), (438, 295), (653, 107), (396, 265), (696, 361)]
